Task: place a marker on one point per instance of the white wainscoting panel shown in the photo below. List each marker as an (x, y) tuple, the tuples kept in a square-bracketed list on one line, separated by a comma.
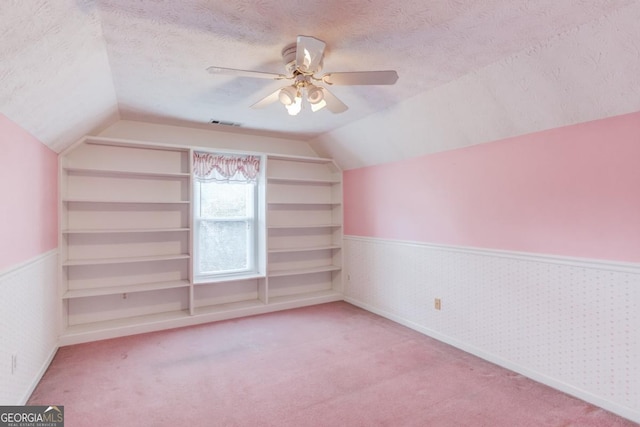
[(28, 326), (573, 324)]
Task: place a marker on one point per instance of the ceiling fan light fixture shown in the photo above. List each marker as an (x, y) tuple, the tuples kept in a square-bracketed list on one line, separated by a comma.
[(288, 95), (315, 94), (303, 61)]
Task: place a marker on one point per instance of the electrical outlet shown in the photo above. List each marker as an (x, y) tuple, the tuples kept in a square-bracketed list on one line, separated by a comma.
[(438, 304), (14, 363)]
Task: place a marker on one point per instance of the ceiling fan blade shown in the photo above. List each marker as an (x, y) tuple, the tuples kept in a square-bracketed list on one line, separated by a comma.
[(387, 77), (267, 100), (333, 104), (309, 53), (245, 73)]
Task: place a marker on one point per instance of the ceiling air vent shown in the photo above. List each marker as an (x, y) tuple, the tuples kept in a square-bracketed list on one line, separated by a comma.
[(223, 123)]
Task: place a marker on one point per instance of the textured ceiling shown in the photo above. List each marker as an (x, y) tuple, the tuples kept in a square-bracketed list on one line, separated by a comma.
[(71, 66), (587, 73)]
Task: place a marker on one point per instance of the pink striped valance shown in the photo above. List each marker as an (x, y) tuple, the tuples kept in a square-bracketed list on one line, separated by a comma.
[(225, 167)]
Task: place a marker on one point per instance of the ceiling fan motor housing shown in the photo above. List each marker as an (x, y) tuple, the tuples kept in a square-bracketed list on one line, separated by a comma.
[(289, 53)]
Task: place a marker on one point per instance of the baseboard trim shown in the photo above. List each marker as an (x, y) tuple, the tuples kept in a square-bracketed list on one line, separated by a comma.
[(600, 264), (39, 375), (623, 411)]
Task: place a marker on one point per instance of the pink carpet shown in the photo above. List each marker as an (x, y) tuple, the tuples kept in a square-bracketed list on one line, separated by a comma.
[(327, 365)]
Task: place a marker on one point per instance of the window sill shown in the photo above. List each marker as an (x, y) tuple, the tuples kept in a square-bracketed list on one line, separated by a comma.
[(228, 278)]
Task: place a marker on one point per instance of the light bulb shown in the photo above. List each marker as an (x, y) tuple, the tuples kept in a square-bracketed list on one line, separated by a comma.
[(318, 105), (294, 108)]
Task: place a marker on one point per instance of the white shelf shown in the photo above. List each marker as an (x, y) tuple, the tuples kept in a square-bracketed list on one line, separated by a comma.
[(125, 289), (117, 142), (124, 173), (285, 180), (136, 321), (228, 307), (284, 227), (130, 202), (102, 261), (303, 249), (126, 230), (230, 279), (299, 271), (316, 297), (299, 159), (304, 203)]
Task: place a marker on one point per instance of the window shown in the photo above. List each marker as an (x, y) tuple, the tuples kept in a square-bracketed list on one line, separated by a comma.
[(226, 210)]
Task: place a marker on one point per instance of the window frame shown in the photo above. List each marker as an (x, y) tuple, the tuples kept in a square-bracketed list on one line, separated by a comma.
[(256, 252)]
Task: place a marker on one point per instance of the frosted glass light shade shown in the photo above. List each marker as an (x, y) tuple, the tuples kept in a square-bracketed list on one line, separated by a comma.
[(315, 94), (288, 95)]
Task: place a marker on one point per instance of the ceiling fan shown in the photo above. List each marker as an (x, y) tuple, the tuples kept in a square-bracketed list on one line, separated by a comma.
[(303, 60)]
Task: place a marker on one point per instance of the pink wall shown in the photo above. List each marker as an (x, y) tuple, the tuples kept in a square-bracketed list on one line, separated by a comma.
[(571, 191), (28, 185)]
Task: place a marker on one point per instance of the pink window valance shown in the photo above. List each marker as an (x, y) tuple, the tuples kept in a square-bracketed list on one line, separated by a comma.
[(225, 167)]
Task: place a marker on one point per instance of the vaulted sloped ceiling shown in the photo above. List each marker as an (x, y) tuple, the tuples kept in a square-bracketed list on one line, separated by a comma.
[(55, 77), (470, 70), (589, 72)]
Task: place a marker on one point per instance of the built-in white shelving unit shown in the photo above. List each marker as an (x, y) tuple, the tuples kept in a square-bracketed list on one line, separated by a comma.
[(126, 241), (304, 199)]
